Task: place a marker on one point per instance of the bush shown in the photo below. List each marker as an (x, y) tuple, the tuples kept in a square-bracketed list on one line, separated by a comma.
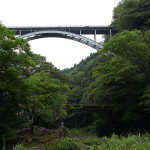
[(115, 142), (19, 147), (66, 144)]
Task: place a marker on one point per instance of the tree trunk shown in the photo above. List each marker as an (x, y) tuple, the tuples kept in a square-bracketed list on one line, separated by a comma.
[(32, 122), (32, 128)]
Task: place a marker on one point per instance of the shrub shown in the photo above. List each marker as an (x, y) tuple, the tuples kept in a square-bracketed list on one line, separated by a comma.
[(19, 147), (66, 144)]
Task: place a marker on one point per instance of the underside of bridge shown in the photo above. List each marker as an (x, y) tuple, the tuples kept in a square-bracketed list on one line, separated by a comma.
[(62, 34)]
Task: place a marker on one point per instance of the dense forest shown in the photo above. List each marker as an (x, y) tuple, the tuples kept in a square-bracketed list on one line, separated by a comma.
[(117, 75), (32, 89)]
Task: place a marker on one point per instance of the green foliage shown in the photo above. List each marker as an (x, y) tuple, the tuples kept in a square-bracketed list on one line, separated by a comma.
[(131, 142), (88, 142), (20, 146), (42, 65), (75, 95), (45, 98), (145, 99), (65, 144), (102, 124), (46, 91), (24, 87), (127, 61), (132, 14), (80, 78), (121, 76), (14, 55)]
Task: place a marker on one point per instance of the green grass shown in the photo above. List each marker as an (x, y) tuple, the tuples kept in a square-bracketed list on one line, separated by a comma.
[(81, 140), (131, 142)]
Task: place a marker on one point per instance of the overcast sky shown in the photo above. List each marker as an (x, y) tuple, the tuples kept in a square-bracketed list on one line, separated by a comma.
[(63, 53)]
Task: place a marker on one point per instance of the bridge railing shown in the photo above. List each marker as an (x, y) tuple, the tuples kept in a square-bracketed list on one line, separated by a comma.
[(57, 26), (87, 104)]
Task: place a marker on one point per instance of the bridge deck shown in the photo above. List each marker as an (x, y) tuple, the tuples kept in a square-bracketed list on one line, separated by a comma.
[(73, 29), (104, 110), (86, 106)]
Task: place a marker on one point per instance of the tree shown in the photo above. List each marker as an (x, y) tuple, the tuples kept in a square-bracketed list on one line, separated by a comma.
[(80, 78), (14, 55), (75, 95), (46, 96), (132, 14), (122, 75), (42, 65)]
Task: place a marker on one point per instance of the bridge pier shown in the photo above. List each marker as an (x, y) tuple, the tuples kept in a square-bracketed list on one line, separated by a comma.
[(95, 36), (110, 35), (20, 33)]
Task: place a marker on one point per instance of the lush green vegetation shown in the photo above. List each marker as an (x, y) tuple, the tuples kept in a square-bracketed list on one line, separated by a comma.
[(29, 87), (132, 14), (32, 89), (14, 55), (81, 140), (118, 75), (131, 142)]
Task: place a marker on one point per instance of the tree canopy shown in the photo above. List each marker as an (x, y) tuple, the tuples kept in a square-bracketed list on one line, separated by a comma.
[(29, 85), (14, 55), (132, 14)]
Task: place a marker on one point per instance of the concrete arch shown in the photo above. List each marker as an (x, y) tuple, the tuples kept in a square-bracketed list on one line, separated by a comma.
[(62, 34)]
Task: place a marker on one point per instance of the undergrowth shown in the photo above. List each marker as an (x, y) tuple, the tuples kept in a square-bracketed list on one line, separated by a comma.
[(131, 142), (78, 140)]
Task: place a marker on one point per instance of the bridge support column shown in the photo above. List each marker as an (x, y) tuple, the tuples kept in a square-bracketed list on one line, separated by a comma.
[(95, 36), (20, 33), (110, 34), (80, 32)]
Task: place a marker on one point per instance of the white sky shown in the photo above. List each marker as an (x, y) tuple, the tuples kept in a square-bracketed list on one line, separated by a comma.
[(63, 53)]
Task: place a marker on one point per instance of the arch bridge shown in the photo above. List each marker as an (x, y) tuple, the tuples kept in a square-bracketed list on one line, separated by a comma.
[(69, 32), (103, 109)]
